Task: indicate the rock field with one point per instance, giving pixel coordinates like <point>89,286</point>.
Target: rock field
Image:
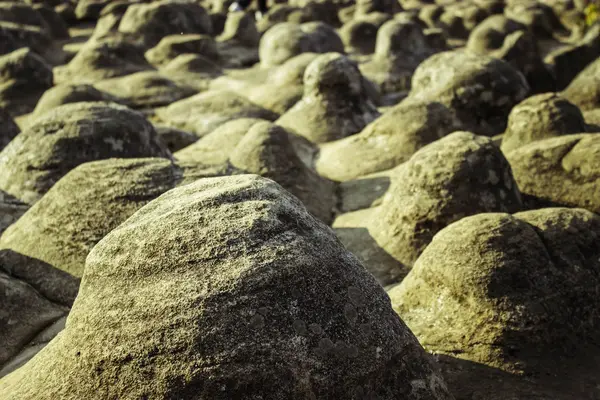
<point>362,200</point>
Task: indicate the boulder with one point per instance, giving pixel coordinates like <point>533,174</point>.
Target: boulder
<point>192,70</point>
<point>287,40</point>
<point>559,171</point>
<point>518,294</point>
<point>238,44</point>
<point>90,9</point>
<point>207,309</point>
<point>146,89</point>
<point>215,147</point>
<point>584,90</point>
<point>400,48</point>
<point>359,36</point>
<point>540,117</point>
<point>174,45</point>
<point>70,93</point>
<point>266,150</point>
<point>480,89</point>
<point>175,139</point>
<point>24,76</point>
<point>8,129</point>
<point>68,136</point>
<point>386,142</point>
<point>206,111</point>
<point>459,175</point>
<point>154,21</point>
<point>335,103</point>
<point>490,34</point>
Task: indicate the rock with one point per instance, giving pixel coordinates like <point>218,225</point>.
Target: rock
<point>90,9</point>
<point>68,136</point>
<point>480,89</point>
<point>561,170</point>
<point>145,89</point>
<point>24,15</point>
<point>193,71</point>
<point>55,23</point>
<point>359,36</point>
<point>267,150</point>
<point>206,111</point>
<point>24,76</point>
<point>8,129</point>
<point>285,85</point>
<point>386,142</point>
<point>584,90</point>
<point>215,147</point>
<point>318,321</point>
<point>103,59</point>
<point>70,93</point>
<point>175,139</point>
<point>335,103</point>
<point>23,314</point>
<point>540,117</point>
<point>519,294</point>
<point>459,175</point>
<point>400,48</point>
<point>15,36</point>
<point>490,34</point>
<point>11,210</point>
<point>238,44</point>
<point>286,40</point>
<point>158,19</point>
<point>174,45</point>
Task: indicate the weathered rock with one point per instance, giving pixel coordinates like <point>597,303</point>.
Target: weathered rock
<point>285,85</point>
<point>490,34</point>
<point>55,24</point>
<point>335,102</point>
<point>287,40</point>
<point>175,139</point>
<point>23,314</point>
<point>90,9</point>
<point>70,93</point>
<point>215,147</point>
<point>11,210</point>
<point>305,311</point>
<point>8,129</point>
<point>103,59</point>
<point>400,48</point>
<point>519,292</point>
<point>145,89</point>
<point>386,142</point>
<point>480,89</point>
<point>584,90</point>
<point>562,170</point>
<point>24,76</point>
<point>192,70</point>
<point>238,44</point>
<point>541,117</point>
<point>206,111</point>
<point>68,136</point>
<point>359,36</point>
<point>158,19</point>
<point>266,150</point>
<point>174,45</point>
<point>459,175</point>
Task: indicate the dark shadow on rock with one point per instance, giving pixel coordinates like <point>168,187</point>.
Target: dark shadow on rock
<point>385,268</point>
<point>52,283</point>
<point>362,193</point>
<point>572,378</point>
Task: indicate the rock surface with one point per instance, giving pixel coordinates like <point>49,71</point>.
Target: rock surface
<point>274,263</point>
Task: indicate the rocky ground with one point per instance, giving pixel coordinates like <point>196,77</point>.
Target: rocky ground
<point>341,200</point>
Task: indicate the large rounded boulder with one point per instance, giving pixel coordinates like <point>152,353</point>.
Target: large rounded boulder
<point>226,288</point>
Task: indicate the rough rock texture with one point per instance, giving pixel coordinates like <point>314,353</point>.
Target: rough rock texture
<point>335,102</point>
<point>103,59</point>
<point>238,44</point>
<point>480,89</point>
<point>162,18</point>
<point>228,310</point>
<point>359,36</point>
<point>206,111</point>
<point>459,175</point>
<point>267,150</point>
<point>175,139</point>
<point>11,210</point>
<point>84,206</point>
<point>215,147</point>
<point>192,70</point>
<point>386,142</point>
<point>24,76</point>
<point>24,313</point>
<point>68,136</point>
<point>490,34</point>
<point>70,93</point>
<point>519,294</point>
<point>171,46</point>
<point>8,128</point>
<point>400,48</point>
<point>145,89</point>
<point>287,40</point>
<point>584,90</point>
<point>540,117</point>
<point>562,170</point>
